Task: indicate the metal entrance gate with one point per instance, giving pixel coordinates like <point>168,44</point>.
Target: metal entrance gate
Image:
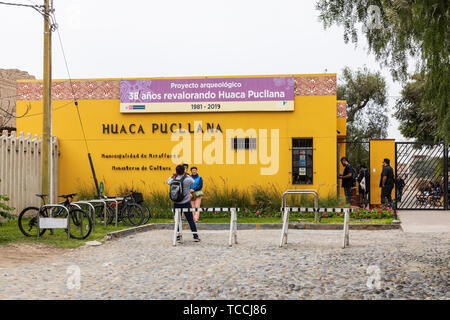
<point>424,168</point>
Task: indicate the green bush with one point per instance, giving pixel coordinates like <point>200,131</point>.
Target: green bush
<point>4,208</point>
<point>256,201</point>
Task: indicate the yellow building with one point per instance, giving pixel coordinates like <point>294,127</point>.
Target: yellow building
<point>137,143</point>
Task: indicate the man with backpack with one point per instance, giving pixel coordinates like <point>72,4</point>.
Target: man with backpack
<point>180,194</point>
<point>348,179</point>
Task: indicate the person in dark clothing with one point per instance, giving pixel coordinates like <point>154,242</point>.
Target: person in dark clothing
<point>399,185</point>
<point>347,179</point>
<point>434,191</point>
<point>386,182</point>
<point>364,185</point>
<point>187,181</point>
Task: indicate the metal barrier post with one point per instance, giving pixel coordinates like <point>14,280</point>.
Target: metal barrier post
<point>233,212</point>
<point>175,230</point>
<point>285,228</point>
<point>178,227</point>
<point>346,235</point>
<point>233,228</point>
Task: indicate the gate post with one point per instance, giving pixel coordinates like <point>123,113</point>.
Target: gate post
<point>446,176</point>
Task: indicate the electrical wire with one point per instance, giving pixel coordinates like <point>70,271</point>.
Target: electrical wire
<point>21,5</point>
<point>70,81</point>
<point>10,115</point>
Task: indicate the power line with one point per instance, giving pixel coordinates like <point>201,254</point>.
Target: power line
<point>22,5</point>
<point>53,109</point>
<point>70,82</point>
<point>38,8</point>
<point>10,115</point>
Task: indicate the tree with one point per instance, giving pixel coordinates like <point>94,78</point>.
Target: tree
<point>416,115</point>
<point>365,92</point>
<point>397,30</point>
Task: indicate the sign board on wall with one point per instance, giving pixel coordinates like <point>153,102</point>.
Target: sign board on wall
<point>207,95</point>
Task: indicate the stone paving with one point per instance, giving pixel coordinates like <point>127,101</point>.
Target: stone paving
<point>312,266</point>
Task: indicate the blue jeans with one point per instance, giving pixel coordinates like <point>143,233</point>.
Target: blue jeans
<point>189,216</point>
<point>348,195</point>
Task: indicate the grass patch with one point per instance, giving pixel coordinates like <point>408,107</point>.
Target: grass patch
<point>10,233</point>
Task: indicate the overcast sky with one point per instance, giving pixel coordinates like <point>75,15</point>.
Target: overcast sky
<point>113,39</point>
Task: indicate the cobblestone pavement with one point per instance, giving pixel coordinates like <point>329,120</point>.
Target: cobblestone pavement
<point>313,266</point>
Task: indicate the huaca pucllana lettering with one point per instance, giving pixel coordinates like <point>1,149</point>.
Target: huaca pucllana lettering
<point>116,128</point>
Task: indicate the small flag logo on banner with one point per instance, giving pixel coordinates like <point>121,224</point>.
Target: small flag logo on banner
<point>136,107</point>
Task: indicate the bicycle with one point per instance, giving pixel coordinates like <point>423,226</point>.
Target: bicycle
<point>139,199</point>
<point>81,225</point>
<point>129,212</point>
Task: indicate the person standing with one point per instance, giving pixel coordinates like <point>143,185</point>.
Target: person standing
<point>386,182</point>
<point>197,193</point>
<point>347,179</point>
<point>364,185</point>
<point>186,182</point>
<point>399,185</point>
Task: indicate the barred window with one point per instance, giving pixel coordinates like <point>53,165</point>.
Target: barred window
<point>302,161</point>
<point>243,143</point>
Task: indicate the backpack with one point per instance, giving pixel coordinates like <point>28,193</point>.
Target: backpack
<point>176,190</point>
<point>354,176</point>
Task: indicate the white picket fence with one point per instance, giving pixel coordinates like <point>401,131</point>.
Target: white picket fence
<point>20,169</point>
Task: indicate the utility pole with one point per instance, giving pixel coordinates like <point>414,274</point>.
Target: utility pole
<point>46,151</point>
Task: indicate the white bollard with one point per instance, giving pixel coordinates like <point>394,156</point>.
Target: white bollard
<point>284,229</point>
<point>233,211</point>
<point>345,240</point>
<point>233,228</point>
<point>180,226</point>
<point>176,221</point>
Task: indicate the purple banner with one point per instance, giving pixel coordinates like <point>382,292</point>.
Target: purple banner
<point>207,89</point>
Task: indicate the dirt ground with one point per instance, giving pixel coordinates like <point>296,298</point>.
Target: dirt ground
<point>12,255</point>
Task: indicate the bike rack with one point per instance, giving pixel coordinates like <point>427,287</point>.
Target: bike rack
<point>91,209</point>
<point>116,201</point>
<point>178,226</point>
<point>104,208</point>
<point>285,211</point>
<point>53,223</point>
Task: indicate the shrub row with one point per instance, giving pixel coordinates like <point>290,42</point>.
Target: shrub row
<point>257,201</point>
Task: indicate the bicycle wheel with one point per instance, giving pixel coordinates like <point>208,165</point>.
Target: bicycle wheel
<point>100,215</point>
<point>81,225</point>
<point>134,213</point>
<point>28,221</point>
<point>147,214</point>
